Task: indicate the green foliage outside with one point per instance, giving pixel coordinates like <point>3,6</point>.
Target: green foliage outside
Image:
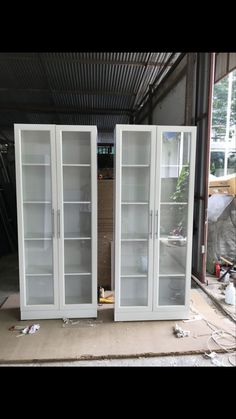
<point>181,195</point>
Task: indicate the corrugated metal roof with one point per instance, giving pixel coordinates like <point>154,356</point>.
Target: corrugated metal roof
<point>94,88</point>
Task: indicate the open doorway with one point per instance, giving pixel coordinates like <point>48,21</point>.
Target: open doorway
<point>221,237</point>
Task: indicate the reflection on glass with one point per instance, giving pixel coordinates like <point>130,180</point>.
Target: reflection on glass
<point>135,184</point>
<point>136,147</point>
<point>76,147</point>
<point>35,147</point>
<point>76,183</point>
<point>38,257</point>
<point>134,258</point>
<point>36,183</point>
<point>173,220</point>
<point>175,151</point>
<point>77,220</point>
<point>77,256</point>
<point>78,289</point>
<point>172,257</point>
<point>37,220</point>
<point>171,291</point>
<point>134,221</point>
<point>39,290</point>
<point>134,292</point>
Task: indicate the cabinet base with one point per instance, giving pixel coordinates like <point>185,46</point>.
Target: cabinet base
<point>164,315</point>
<point>58,314</point>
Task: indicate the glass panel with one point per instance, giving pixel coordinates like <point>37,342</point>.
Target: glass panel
<point>76,147</point>
<point>171,291</point>
<point>77,220</point>
<point>136,147</point>
<point>37,220</point>
<point>172,257</point>
<point>77,256</point>
<point>231,164</point>
<point>135,184</point>
<point>39,290</point>
<point>134,258</point>
<point>173,221</point>
<point>77,183</point>
<point>78,289</point>
<point>217,163</point>
<point>38,257</point>
<point>35,147</point>
<point>175,167</point>
<point>36,183</point>
<point>134,221</point>
<point>134,292</point>
<point>175,150</point>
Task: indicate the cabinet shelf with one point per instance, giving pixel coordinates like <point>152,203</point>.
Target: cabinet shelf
<point>174,203</point>
<point>74,270</point>
<point>133,271</point>
<point>37,202</point>
<point>77,202</point>
<point>75,165</point>
<point>38,237</point>
<point>39,271</point>
<point>137,275</point>
<point>77,273</point>
<point>36,164</point>
<point>76,236</point>
<point>136,165</point>
<point>174,165</point>
<point>135,203</point>
<point>134,237</point>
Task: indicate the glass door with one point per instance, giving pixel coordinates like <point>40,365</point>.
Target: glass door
<point>135,146</point>
<point>77,214</point>
<point>173,215</point>
<point>37,170</point>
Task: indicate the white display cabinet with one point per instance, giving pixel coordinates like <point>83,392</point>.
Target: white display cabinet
<point>154,186</point>
<point>56,177</point>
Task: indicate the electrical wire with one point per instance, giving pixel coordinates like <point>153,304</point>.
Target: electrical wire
<point>217,335</point>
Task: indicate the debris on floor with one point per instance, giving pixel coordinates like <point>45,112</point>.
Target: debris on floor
<point>25,330</point>
<point>81,323</point>
<point>179,332</point>
<point>107,300</point>
<point>193,318</point>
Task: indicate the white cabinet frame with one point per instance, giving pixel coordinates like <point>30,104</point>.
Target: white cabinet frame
<point>152,310</point>
<point>58,308</point>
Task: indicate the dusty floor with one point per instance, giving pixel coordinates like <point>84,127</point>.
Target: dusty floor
<point>224,360</point>
<point>9,284</point>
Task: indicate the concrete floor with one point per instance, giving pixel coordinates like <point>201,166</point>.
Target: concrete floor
<point>9,284</point>
<point>158,361</point>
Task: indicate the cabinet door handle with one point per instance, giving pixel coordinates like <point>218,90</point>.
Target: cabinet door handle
<point>58,223</point>
<point>156,233</point>
<point>150,224</point>
<point>53,223</point>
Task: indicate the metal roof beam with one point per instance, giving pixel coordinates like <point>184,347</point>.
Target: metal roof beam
<point>70,91</point>
<point>8,107</point>
<point>85,61</point>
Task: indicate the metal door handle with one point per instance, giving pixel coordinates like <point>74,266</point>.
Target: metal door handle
<point>58,224</point>
<point>150,224</point>
<point>156,233</point>
<point>53,223</point>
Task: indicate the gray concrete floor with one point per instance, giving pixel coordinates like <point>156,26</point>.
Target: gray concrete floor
<point>9,284</point>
